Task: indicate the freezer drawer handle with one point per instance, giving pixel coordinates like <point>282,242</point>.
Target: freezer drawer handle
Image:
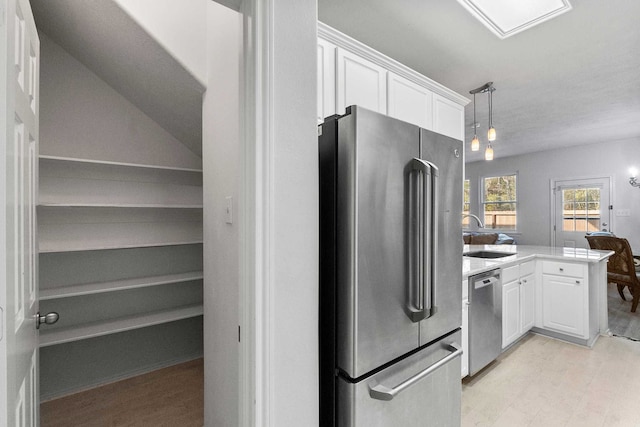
<point>381,392</point>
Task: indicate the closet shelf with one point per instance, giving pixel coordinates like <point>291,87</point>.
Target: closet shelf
<point>117,285</point>
<point>118,205</point>
<point>56,247</point>
<point>123,164</point>
<point>97,329</point>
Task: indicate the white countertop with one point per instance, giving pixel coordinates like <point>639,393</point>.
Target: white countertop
<point>521,253</point>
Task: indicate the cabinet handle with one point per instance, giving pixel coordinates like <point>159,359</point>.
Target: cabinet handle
<point>577,282</point>
<point>561,269</point>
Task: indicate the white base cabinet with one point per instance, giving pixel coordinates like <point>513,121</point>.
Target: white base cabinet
<point>565,298</point>
<point>518,301</point>
<point>465,338</point>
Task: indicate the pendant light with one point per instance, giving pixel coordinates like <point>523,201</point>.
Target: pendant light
<point>491,133</point>
<point>475,142</point>
<point>488,153</point>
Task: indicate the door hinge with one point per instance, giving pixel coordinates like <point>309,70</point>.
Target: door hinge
<point>239,333</point>
<point>610,207</point>
<point>554,228</point>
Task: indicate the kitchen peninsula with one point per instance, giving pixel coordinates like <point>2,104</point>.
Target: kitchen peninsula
<point>558,292</point>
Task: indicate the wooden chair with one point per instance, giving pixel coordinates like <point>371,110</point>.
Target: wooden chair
<point>620,268</point>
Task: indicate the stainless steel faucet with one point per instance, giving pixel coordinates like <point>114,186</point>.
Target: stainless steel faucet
<point>480,224</point>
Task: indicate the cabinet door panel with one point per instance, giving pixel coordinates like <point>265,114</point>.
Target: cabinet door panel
<point>465,338</point>
<point>527,302</point>
<point>360,82</point>
<point>409,102</point>
<point>326,79</point>
<point>510,312</point>
<point>448,117</point>
<point>563,304</point>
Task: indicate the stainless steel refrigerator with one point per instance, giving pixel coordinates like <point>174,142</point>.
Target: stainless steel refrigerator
<point>390,273</point>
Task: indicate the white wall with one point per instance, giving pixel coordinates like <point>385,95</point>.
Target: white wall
<point>179,26</point>
<point>221,159</point>
<point>83,117</point>
<point>536,170</point>
<point>294,286</point>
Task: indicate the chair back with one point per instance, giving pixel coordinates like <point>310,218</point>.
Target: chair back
<point>620,267</point>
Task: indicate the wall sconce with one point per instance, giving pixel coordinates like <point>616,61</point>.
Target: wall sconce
<point>633,180</point>
<point>491,133</point>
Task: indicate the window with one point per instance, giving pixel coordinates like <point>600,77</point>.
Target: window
<point>581,209</point>
<point>499,200</point>
<point>465,204</point>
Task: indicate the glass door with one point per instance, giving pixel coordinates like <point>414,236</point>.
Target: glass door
<point>580,207</point>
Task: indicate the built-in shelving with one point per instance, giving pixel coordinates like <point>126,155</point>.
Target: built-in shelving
<point>55,292</point>
<point>70,182</point>
<point>71,229</point>
<point>96,329</point>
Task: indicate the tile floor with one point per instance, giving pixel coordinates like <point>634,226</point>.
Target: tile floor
<point>544,382</point>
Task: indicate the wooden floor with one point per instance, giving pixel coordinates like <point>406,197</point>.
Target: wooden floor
<point>167,397</point>
<point>622,322</point>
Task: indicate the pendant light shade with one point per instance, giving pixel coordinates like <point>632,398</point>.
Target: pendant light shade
<point>491,134</point>
<point>475,144</point>
<point>488,154</point>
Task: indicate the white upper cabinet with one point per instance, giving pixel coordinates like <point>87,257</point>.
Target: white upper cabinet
<point>326,79</point>
<point>351,73</point>
<point>448,117</point>
<point>360,82</point>
<point>409,101</point>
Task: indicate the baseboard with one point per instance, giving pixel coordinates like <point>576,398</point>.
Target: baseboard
<point>120,377</point>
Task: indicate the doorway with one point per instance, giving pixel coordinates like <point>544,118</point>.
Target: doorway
<point>580,206</point>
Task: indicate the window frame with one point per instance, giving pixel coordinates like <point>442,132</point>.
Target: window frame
<point>484,203</point>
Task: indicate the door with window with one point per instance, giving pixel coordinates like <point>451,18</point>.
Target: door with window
<point>580,207</point>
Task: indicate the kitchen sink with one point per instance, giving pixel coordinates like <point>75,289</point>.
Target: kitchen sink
<point>488,254</point>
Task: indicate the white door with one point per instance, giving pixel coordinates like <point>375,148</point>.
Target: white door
<point>19,70</point>
<point>580,206</point>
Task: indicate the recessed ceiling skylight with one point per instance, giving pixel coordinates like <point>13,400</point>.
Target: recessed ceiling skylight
<point>507,17</point>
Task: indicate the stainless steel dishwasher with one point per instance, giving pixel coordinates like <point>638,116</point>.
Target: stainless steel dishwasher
<point>485,319</point>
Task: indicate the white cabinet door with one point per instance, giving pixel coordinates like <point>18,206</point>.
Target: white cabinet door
<point>563,304</point>
<point>409,102</point>
<point>19,102</point>
<point>527,302</point>
<point>465,339</point>
<point>326,79</point>
<point>510,312</point>
<point>448,117</point>
<point>360,82</point>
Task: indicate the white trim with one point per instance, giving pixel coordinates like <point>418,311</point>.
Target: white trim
<point>341,40</point>
<point>257,218</point>
<point>496,29</point>
<point>552,202</point>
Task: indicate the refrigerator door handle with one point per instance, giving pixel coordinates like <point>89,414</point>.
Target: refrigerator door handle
<point>382,392</point>
<point>426,256</point>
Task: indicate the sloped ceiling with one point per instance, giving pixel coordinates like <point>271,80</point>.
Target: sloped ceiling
<point>569,81</point>
<point>111,44</point>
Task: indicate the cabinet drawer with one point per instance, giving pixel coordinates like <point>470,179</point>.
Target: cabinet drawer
<point>527,268</point>
<point>563,269</point>
<point>509,274</point>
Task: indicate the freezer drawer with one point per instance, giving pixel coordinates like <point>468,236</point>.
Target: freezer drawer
<point>423,398</point>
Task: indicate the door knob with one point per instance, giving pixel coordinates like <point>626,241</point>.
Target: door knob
<point>47,319</point>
